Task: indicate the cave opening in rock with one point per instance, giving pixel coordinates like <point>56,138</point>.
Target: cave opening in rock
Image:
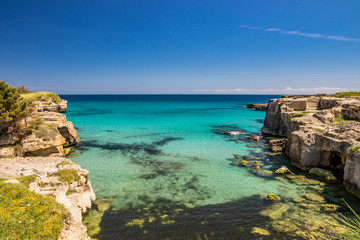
<point>336,164</point>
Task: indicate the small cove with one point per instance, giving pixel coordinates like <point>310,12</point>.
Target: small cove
<point>164,161</point>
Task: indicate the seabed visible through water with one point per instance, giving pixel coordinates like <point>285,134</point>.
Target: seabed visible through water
<point>163,169</point>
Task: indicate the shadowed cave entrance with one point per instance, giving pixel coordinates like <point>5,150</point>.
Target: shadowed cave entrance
<point>334,161</point>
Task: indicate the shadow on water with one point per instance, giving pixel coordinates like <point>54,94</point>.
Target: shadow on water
<point>164,219</point>
<point>261,120</point>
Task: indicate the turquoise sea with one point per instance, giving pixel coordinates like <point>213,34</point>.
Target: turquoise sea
<point>170,169</point>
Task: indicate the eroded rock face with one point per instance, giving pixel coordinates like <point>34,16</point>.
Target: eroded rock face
<point>317,135</point>
<point>48,139</point>
<point>65,128</point>
<point>60,107</point>
<point>76,201</point>
<point>278,145</point>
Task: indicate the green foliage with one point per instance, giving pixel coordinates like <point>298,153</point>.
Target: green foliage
<point>22,89</point>
<point>353,223</point>
<point>35,124</point>
<point>62,163</point>
<point>355,148</point>
<point>27,215</point>
<point>346,94</point>
<point>46,130</point>
<point>42,96</point>
<point>70,191</point>
<point>319,130</point>
<point>27,179</point>
<point>300,114</point>
<point>12,106</point>
<point>340,119</point>
<point>68,175</point>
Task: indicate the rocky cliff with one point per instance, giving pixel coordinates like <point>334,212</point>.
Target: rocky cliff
<point>45,132</point>
<point>47,178</point>
<point>33,148</point>
<point>321,132</point>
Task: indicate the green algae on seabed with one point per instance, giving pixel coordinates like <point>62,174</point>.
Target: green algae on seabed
<point>191,172</point>
<point>92,220</point>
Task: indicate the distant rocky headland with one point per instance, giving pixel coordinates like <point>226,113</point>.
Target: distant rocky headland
<point>34,139</point>
<point>320,134</point>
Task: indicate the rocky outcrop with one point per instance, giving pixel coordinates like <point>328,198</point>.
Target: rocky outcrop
<point>258,107</point>
<point>278,145</point>
<point>320,133</point>
<point>51,106</point>
<point>44,133</point>
<point>76,196</point>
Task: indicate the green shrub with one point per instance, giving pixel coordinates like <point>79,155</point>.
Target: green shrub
<point>41,96</point>
<point>27,179</point>
<point>27,215</point>
<point>319,130</point>
<point>68,175</point>
<point>346,94</point>
<point>35,124</point>
<point>355,148</point>
<point>300,114</point>
<point>46,130</point>
<point>12,106</point>
<point>70,191</point>
<point>22,89</point>
<point>62,163</point>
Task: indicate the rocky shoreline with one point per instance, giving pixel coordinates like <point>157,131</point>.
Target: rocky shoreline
<point>318,131</point>
<point>36,150</point>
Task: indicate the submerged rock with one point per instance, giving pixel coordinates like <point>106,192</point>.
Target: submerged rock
<point>233,133</point>
<point>323,174</point>
<point>253,138</point>
<point>92,220</point>
<point>237,156</point>
<point>283,170</point>
<point>273,197</point>
<point>275,211</point>
<point>298,200</point>
<point>314,197</point>
<point>136,223</point>
<point>103,204</point>
<point>330,207</point>
<point>260,231</point>
<point>244,163</point>
<point>264,173</point>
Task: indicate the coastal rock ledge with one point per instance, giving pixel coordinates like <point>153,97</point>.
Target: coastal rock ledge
<point>45,174</point>
<point>45,132</point>
<point>322,131</point>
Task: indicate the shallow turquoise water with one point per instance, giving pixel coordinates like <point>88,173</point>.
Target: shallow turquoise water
<point>140,150</point>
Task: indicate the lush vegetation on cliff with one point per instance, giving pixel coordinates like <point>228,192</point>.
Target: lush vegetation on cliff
<point>12,106</point>
<point>346,94</point>
<point>41,96</point>
<point>27,215</point>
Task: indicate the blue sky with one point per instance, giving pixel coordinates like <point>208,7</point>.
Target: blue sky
<point>133,46</point>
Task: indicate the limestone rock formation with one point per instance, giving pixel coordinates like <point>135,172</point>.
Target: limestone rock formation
<point>49,106</point>
<point>258,107</point>
<point>321,131</point>
<point>278,145</point>
<point>76,196</point>
<point>51,134</point>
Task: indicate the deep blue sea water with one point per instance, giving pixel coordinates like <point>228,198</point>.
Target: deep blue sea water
<point>164,156</point>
